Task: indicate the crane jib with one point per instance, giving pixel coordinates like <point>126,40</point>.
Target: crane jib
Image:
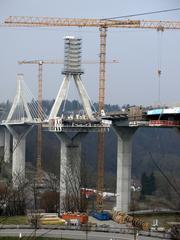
<point>25,21</point>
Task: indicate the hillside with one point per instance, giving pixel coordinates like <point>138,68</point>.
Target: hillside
<point>163,145</point>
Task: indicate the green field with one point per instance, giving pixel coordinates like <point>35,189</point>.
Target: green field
<point>17,220</point>
<point>162,218</point>
<point>37,238</point>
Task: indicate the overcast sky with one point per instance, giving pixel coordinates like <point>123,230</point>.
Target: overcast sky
<point>134,80</point>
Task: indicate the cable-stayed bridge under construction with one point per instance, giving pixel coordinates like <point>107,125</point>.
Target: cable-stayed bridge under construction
<point>26,112</point>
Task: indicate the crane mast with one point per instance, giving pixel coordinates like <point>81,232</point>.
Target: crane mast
<point>103,25</point>
<point>39,132</point>
<point>101,135</point>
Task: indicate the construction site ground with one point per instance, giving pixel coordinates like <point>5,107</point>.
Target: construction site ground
<point>107,223</point>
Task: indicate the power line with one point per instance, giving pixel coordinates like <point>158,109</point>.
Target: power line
<point>164,175</point>
<point>171,184</point>
<point>145,13</point>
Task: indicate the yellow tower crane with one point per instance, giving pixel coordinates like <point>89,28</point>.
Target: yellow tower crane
<point>103,25</point>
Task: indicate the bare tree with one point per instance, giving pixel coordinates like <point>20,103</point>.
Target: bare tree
<point>12,199</point>
<point>49,198</point>
<point>72,182</point>
<point>74,178</point>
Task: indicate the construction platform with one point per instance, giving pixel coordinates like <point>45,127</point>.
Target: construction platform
<point>138,117</point>
<point>78,125</point>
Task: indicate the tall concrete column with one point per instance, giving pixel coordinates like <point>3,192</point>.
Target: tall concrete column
<point>1,144</point>
<point>7,150</point>
<point>19,134</point>
<point>124,159</point>
<point>4,144</point>
<point>70,164</point>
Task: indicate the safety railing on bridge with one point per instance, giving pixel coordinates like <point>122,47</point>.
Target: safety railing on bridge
<point>164,123</point>
<point>59,124</point>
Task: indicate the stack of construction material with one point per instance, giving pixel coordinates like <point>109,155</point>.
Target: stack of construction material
<point>34,218</point>
<point>122,218</point>
<point>136,113</point>
<point>119,217</point>
<point>51,219</point>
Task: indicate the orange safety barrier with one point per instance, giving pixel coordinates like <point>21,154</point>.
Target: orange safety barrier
<point>83,218</point>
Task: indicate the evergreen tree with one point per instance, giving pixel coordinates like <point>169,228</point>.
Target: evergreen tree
<point>148,184</point>
<point>152,184</point>
<point>144,179</point>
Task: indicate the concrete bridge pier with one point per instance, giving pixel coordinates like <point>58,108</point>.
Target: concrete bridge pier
<point>19,134</point>
<point>124,159</point>
<point>2,144</point>
<point>7,151</point>
<point>70,164</point>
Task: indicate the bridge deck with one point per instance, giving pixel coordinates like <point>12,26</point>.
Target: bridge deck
<point>64,125</point>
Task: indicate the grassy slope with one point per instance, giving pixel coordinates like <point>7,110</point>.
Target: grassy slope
<point>18,220</point>
<point>162,218</point>
<point>37,238</point>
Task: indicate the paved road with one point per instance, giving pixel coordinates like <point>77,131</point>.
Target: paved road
<point>72,234</point>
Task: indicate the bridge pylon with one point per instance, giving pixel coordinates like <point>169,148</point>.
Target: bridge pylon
<point>72,70</point>
<point>24,108</point>
<point>70,162</point>
<point>19,109</point>
<point>23,115</point>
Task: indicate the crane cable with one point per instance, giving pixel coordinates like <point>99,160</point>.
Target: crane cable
<point>142,14</point>
<point>163,174</point>
<point>169,181</point>
<point>159,61</point>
